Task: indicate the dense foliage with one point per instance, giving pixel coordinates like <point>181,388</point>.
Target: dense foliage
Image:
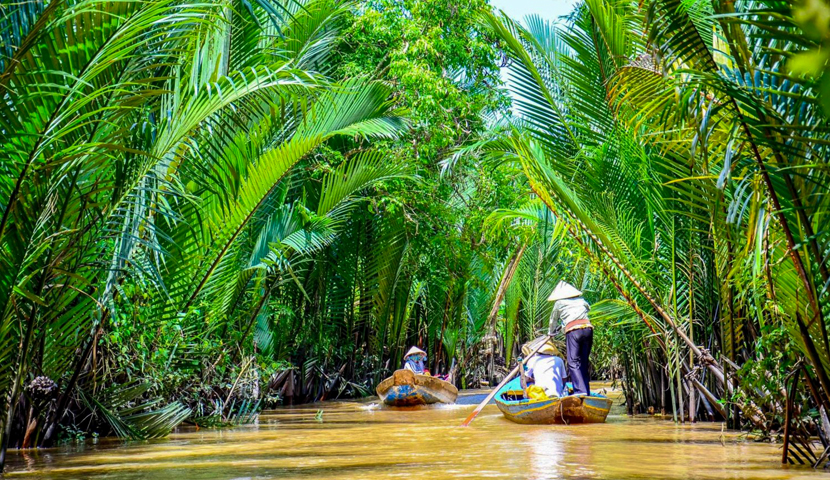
<point>210,208</point>
<point>682,146</point>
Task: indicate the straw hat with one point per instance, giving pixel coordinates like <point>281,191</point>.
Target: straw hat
<point>564,290</point>
<point>413,351</point>
<point>547,349</point>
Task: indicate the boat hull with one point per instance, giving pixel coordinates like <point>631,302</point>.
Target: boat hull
<point>406,389</point>
<point>552,410</point>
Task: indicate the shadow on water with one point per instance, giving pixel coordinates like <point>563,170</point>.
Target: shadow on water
<point>364,440</point>
<point>473,399</point>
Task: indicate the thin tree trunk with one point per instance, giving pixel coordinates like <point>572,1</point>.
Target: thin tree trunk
<point>506,278</point>
<point>444,324</point>
<point>681,410</point>
<point>788,419</point>
<point>691,324</point>
<point>706,394</point>
<point>812,354</point>
<point>31,426</point>
<point>63,401</point>
<point>14,398</point>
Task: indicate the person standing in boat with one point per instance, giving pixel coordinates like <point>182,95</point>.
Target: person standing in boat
<point>570,312</point>
<point>414,361</point>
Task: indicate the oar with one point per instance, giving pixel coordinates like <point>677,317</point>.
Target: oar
<point>504,382</point>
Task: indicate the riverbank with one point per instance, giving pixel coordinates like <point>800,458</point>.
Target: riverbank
<point>363,440</point>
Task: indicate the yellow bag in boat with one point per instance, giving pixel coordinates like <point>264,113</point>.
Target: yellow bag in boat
<point>535,392</point>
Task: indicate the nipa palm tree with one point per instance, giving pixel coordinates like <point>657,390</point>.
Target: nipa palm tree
<point>140,141</point>
<point>673,142</point>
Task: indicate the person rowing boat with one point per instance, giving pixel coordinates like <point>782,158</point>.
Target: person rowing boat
<point>414,361</point>
<point>570,312</point>
<point>414,385</point>
<point>546,368</point>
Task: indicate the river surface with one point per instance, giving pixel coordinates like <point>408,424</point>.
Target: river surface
<point>362,440</point>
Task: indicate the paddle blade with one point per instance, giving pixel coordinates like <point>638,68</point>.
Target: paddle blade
<point>481,405</point>
<point>472,416</point>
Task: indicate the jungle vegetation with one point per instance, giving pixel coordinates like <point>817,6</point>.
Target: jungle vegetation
<point>213,207</point>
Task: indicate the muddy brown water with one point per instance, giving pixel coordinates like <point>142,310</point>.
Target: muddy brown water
<point>362,440</point>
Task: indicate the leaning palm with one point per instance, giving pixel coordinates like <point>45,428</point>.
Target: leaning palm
<point>664,147</point>
<point>142,151</point>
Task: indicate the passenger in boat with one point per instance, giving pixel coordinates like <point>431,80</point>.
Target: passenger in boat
<point>570,312</point>
<point>414,360</point>
<point>546,368</point>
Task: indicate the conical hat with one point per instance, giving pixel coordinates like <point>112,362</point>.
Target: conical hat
<point>413,351</point>
<point>548,349</point>
<point>564,290</point>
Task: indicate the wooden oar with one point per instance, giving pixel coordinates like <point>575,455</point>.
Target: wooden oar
<point>504,382</point>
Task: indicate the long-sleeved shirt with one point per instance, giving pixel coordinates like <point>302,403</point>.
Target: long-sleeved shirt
<point>548,371</point>
<point>566,311</point>
<point>417,367</point>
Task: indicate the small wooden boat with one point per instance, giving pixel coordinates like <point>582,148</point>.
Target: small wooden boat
<point>404,388</point>
<point>564,410</point>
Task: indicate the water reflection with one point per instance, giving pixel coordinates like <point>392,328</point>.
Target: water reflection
<point>546,452</point>
<point>361,440</point>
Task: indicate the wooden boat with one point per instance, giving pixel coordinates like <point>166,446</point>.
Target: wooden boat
<point>564,410</point>
<point>404,388</point>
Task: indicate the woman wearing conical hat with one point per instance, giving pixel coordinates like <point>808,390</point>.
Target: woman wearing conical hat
<point>546,367</point>
<point>414,360</point>
<point>570,312</point>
